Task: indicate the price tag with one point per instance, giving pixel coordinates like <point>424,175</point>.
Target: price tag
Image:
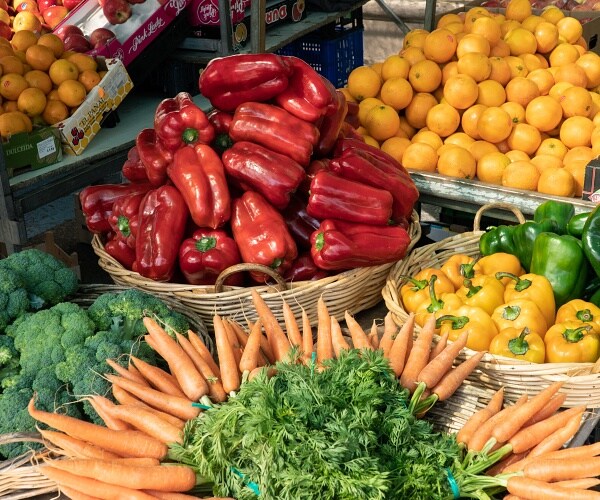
<point>46,147</point>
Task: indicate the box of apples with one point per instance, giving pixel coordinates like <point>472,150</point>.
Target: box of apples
<point>119,29</point>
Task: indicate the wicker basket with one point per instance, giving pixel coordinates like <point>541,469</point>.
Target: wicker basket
<point>354,290</point>
<point>582,383</point>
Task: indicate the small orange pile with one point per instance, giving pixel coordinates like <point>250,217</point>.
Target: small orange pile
<point>40,82</point>
<point>508,97</point>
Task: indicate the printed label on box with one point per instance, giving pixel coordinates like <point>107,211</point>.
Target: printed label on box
<point>46,147</point>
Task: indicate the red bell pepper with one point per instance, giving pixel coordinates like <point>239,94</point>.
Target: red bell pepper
<point>313,169</point>
<point>97,202</point>
<point>339,245</point>
<point>300,224</point>
<point>198,173</point>
<point>119,250</point>
<point>204,256</point>
<point>124,218</point>
<point>257,168</point>
<point>162,222</point>
<point>261,234</point>
<point>179,121</point>
<point>364,167</point>
<point>133,169</point>
<point>304,269</point>
<point>276,129</point>
<point>352,115</point>
<point>230,81</point>
<point>221,121</point>
<point>155,157</point>
<point>333,197</point>
<point>331,124</point>
<point>349,132</point>
<point>307,95</point>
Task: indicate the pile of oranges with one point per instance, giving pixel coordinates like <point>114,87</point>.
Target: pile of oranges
<point>508,98</point>
<point>40,82</point>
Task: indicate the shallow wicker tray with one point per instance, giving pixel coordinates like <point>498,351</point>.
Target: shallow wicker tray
<point>354,290</point>
<point>582,384</point>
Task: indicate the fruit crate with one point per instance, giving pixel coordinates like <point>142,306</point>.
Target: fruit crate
<point>334,50</point>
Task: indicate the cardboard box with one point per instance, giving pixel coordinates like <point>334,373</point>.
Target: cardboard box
<point>591,184</point>
<point>148,19</point>
<point>80,128</point>
<point>33,150</point>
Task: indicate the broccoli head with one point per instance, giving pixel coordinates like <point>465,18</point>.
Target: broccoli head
<point>15,418</point>
<point>47,280</point>
<point>9,362</point>
<point>125,310</point>
<point>14,300</point>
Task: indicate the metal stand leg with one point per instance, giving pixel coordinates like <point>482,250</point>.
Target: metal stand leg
<point>399,22</point>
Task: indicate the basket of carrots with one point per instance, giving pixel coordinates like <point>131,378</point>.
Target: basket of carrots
<point>516,320</point>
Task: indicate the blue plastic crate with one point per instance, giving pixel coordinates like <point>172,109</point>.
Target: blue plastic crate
<point>334,57</point>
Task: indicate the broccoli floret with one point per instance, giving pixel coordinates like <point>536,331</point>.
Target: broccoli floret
<point>126,310</point>
<point>9,362</point>
<point>15,418</point>
<point>14,300</point>
<point>47,280</point>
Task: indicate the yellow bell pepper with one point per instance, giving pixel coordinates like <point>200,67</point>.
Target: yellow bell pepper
<point>580,310</point>
<point>532,287</point>
<point>445,304</point>
<point>500,262</point>
<point>520,313</point>
<point>482,291</point>
<point>458,268</point>
<point>572,342</point>
<point>416,289</point>
<point>519,344</point>
<point>474,320</point>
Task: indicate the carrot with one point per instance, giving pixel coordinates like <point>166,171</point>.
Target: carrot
<point>307,336</point>
<point>173,405</point>
<point>509,427</point>
<point>124,443</point>
<point>291,325</point>
<point>101,406</point>
<point>435,369</point>
<point>374,336</point>
<point>270,371</point>
<point>167,495</point>
<point>455,377</point>
<point>233,340</point>
<point>418,355</point>
<point>123,397</point>
<point>277,338</point>
<point>531,435</point>
<point>192,383</point>
<point>531,489</point>
<point>76,447</point>
<point>200,346</point>
<point>549,409</point>
<point>134,370</point>
<point>337,339</point>
<point>558,438</point>
<point>158,378</point>
<point>74,494</point>
<point>243,336</point>
<point>230,375</point>
<point>324,342</point>
<point>499,467</point>
<point>125,373</point>
<point>147,422</point>
<point>360,340</point>
<point>389,334</point>
<point>139,461</point>
<point>583,483</point>
<point>481,416</point>
<point>579,452</point>
<point>439,347</point>
<point>401,345</point>
<point>562,470</point>
<point>153,477</point>
<point>249,359</point>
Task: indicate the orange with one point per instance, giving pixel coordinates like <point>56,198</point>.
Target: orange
<point>491,93</point>
<point>425,76</point>
<point>365,106</point>
<point>72,93</point>
<point>83,61</point>
<point>39,79</point>
<point>40,57</point>
<point>439,45</point>
<point>470,118</point>
<point>488,28</point>
<point>544,113</point>
<point>529,23</point>
<point>520,41</point>
<point>62,70</point>
<point>382,122</point>
<point>552,14</point>
<point>521,175</point>
<point>11,64</point>
<point>406,128</point>
<point>517,66</point>
<point>579,153</point>
<point>472,42</point>
<point>570,29</point>
<point>552,147</point>
<point>546,36</point>
<point>23,39</point>
<point>415,38</point>
<point>590,63</point>
<point>363,81</point>
<point>455,28</point>
<point>395,92</point>
<point>461,91</point>
<point>581,45</point>
<point>563,53</point>
<point>26,20</point>
<point>395,147</point>
<point>515,111</point>
<point>31,101</point>
<point>518,10</point>
<point>514,154</point>
<point>521,90</point>
<point>9,106</point>
<point>448,18</point>
<point>394,66</point>
<point>11,86</point>
<point>428,137</point>
<point>6,50</point>
<point>524,137</point>
<point>375,66</point>
<point>576,131</point>
<point>449,69</point>
<point>476,65</point>
<point>90,79</point>
<point>480,148</point>
<point>472,15</point>
<point>420,156</point>
<point>556,181</point>
<point>494,125</point>
<point>542,162</point>
<point>576,101</point>
<point>457,162</point>
<point>558,89</point>
<point>500,49</point>
<point>577,169</point>
<point>460,139</point>
<point>442,119</point>
<point>54,112</point>
<point>53,42</point>
<point>500,70</point>
<point>532,62</point>
<point>349,98</point>
<point>416,111</point>
<point>14,122</point>
<point>571,73</point>
<point>490,167</point>
<point>543,79</point>
<point>370,141</point>
<point>543,61</point>
<point>412,55</point>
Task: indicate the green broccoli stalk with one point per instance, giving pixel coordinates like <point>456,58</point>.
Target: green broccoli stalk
<point>14,300</point>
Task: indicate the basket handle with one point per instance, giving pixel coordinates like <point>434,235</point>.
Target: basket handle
<point>490,206</point>
<point>244,266</point>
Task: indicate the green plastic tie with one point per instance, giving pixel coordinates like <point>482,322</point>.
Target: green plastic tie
<point>250,484</point>
<point>201,406</point>
<point>453,483</point>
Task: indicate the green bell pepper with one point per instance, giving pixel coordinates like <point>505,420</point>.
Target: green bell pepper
<point>561,260</point>
<point>497,239</point>
<point>595,299</point>
<point>576,223</point>
<point>559,211</point>
<point>524,237</point>
<point>590,239</point>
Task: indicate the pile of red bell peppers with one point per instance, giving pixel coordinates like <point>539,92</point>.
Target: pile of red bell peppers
<point>275,174</point>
